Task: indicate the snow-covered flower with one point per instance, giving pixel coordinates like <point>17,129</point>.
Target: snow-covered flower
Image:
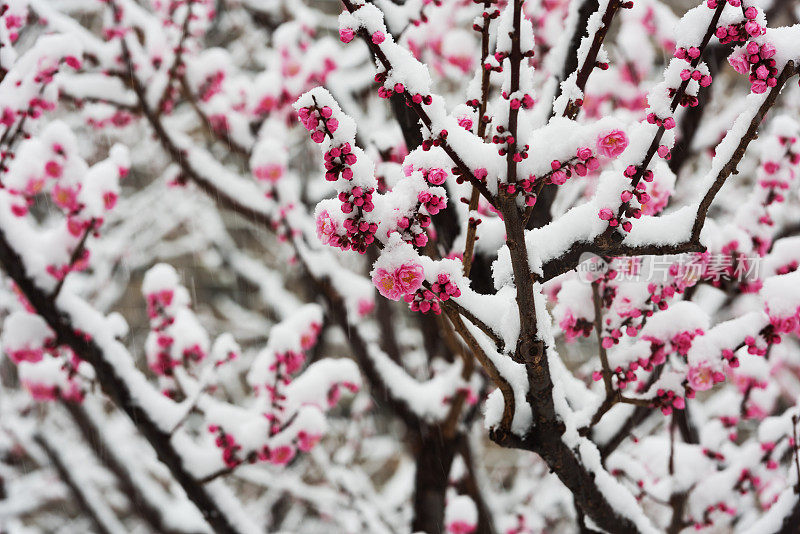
<point>612,144</point>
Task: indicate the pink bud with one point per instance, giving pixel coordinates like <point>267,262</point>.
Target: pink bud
<point>767,50</point>
<point>752,28</point>
<point>758,87</point>
<point>346,35</point>
<point>73,62</point>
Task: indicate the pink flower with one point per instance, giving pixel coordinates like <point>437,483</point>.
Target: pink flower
<point>558,177</point>
<point>386,284</point>
<point>73,62</point>
<point>767,50</point>
<point>346,35</point>
<point>326,228</point>
<point>459,526</point>
<point>53,169</point>
<point>306,441</point>
<point>739,63</point>
<point>465,122</point>
<point>409,277</point>
<point>365,307</point>
<point>271,172</point>
<point>759,87</point>
<point>281,455</point>
<point>65,197</point>
<point>613,144</point>
<point>606,214</point>
<point>437,176</point>
<point>109,200</point>
<point>394,284</point>
<point>701,377</point>
<point>25,355</point>
<point>40,392</point>
<point>682,342</point>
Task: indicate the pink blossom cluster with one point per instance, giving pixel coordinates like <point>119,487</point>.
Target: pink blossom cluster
<point>756,60</point>
<point>574,327</point>
<point>119,118</point>
<point>433,203</point>
<point>413,229</point>
<point>47,370</point>
<point>624,316</point>
<point>158,305</point>
<point>763,70</point>
<point>357,197</point>
<point>774,180</point>
<point>280,442</point>
<point>167,346</point>
<point>508,143</point>
<point>741,31</point>
<point>668,400</point>
<point>356,232</point>
<point>702,377</point>
<point>707,519</point>
<point>580,165</point>
<point>286,363</point>
<point>233,454</point>
<point>321,122</point>
<point>338,162</point>
<point>611,146</point>
<point>386,89</point>
<point>427,300</point>
<point>269,172</point>
<point>69,192</point>
<point>782,323</point>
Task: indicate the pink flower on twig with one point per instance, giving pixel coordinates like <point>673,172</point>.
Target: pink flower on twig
<point>326,228</point>
<point>702,377</point>
<point>394,284</point>
<point>612,144</point>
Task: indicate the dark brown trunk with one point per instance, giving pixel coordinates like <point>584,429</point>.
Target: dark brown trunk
<point>434,457</point>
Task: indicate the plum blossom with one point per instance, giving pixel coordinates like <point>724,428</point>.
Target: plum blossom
<point>701,377</point>
<point>612,144</point>
<point>394,284</point>
<point>326,228</point>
